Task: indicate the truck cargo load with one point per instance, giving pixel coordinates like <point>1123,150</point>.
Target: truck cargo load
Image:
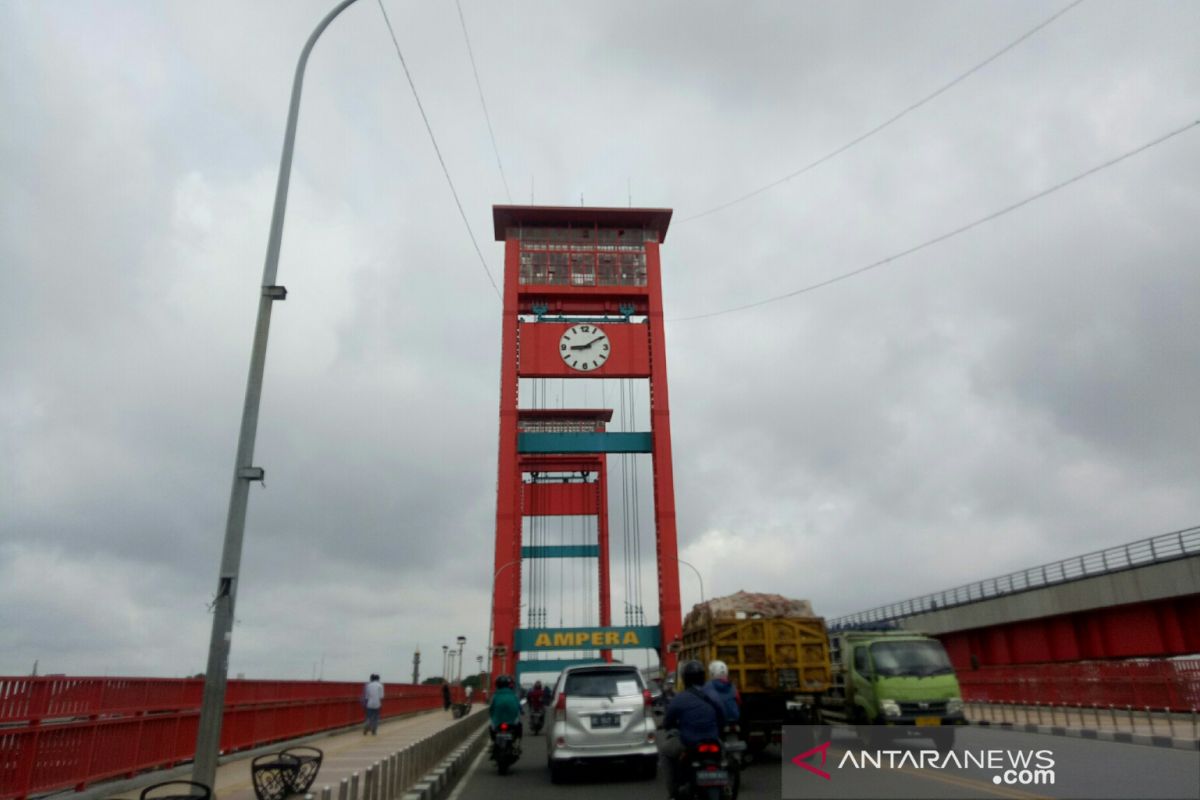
<point>771,643</point>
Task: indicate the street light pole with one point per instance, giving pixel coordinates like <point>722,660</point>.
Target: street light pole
<point>208,737</point>
<point>445,663</point>
<point>462,641</point>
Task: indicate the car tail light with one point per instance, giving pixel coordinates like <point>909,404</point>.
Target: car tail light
<point>560,702</point>
<point>709,748</point>
<point>647,698</point>
<point>560,742</point>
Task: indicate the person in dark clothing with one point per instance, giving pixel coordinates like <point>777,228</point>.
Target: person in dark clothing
<point>536,697</point>
<point>445,696</point>
<point>694,716</point>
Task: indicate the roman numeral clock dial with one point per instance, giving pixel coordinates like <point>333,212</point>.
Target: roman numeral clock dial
<point>584,347</point>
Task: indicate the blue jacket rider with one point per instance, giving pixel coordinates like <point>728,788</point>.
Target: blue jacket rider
<point>697,716</point>
<point>721,690</point>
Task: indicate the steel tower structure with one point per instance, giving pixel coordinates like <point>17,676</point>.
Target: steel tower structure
<point>582,299</point>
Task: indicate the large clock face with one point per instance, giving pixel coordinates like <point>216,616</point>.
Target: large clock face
<point>584,347</point>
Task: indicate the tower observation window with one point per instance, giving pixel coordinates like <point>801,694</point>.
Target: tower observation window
<point>583,256</point>
<point>560,426</point>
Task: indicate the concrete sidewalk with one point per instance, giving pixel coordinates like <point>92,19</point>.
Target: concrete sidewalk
<point>345,752</point>
<point>1129,720</point>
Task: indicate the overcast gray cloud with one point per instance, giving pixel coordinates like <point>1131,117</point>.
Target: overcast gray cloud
<point>1020,393</point>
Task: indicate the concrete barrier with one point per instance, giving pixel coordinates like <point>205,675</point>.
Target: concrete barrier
<point>440,780</point>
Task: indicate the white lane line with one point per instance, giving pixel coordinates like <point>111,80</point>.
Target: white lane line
<point>462,784</point>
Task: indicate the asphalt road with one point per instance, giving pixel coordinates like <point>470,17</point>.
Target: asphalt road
<point>1084,769</point>
<point>529,778</point>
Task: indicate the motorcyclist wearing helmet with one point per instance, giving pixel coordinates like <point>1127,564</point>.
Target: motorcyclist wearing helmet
<point>722,691</point>
<point>536,697</point>
<point>697,718</point>
<point>505,708</point>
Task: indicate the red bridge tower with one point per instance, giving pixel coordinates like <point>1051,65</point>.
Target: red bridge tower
<point>582,299</point>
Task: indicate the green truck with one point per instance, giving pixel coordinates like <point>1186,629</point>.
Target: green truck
<point>893,683</point>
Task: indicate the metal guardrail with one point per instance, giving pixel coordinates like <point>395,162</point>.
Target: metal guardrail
<point>59,731</point>
<point>1155,550</point>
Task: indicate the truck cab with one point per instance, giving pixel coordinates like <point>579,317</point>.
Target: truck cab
<point>894,678</point>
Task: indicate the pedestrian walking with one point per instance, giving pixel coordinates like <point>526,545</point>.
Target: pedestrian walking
<point>372,703</point>
<point>445,696</point>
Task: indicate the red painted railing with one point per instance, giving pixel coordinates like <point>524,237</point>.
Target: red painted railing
<point>63,732</point>
<point>1159,684</point>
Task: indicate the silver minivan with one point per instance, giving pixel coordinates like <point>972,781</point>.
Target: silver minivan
<point>601,712</point>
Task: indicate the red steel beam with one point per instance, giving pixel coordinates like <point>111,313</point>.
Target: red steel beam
<point>1153,629</point>
<point>666,550</point>
<point>559,500</point>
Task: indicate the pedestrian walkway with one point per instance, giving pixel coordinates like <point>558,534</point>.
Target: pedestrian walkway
<point>1128,719</point>
<point>345,754</point>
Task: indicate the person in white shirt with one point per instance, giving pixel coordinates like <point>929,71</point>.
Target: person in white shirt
<point>372,702</point>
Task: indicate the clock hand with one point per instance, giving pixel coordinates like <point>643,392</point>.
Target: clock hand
<point>589,344</point>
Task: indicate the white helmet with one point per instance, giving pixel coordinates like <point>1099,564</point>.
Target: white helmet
<point>718,671</point>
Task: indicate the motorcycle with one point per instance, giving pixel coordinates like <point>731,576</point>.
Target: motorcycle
<point>537,718</point>
<point>735,750</point>
<point>506,749</point>
<point>711,776</point>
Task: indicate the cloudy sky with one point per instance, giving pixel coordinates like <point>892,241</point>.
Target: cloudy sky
<point>1020,393</point>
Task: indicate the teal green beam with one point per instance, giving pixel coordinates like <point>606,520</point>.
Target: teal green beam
<point>553,664</point>
<point>561,551</point>
<point>618,442</point>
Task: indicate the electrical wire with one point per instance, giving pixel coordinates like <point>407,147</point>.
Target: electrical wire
<point>438,150</point>
<point>625,548</point>
<point>637,516</point>
<point>949,235</point>
<point>888,122</point>
<point>482,102</point>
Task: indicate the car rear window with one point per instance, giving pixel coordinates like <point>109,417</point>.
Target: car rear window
<point>603,683</point>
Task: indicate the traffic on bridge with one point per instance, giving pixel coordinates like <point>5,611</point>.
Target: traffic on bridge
<point>844,442</point>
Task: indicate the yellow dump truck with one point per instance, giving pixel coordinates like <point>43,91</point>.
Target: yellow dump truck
<point>777,652</point>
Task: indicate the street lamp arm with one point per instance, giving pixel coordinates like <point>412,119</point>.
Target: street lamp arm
<point>271,267</point>
<point>698,576</point>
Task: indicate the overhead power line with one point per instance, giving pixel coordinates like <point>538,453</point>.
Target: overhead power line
<point>863,137</point>
<point>951,234</point>
<point>436,149</point>
<point>482,102</point>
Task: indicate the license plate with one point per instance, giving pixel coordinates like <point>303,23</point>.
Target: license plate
<point>606,720</point>
<point>503,738</point>
<point>712,777</point>
<point>929,721</point>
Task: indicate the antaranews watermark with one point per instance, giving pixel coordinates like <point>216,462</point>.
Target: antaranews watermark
<point>905,761</point>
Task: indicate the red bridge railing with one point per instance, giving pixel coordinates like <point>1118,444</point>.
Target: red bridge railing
<point>64,732</point>
<point>1172,684</point>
